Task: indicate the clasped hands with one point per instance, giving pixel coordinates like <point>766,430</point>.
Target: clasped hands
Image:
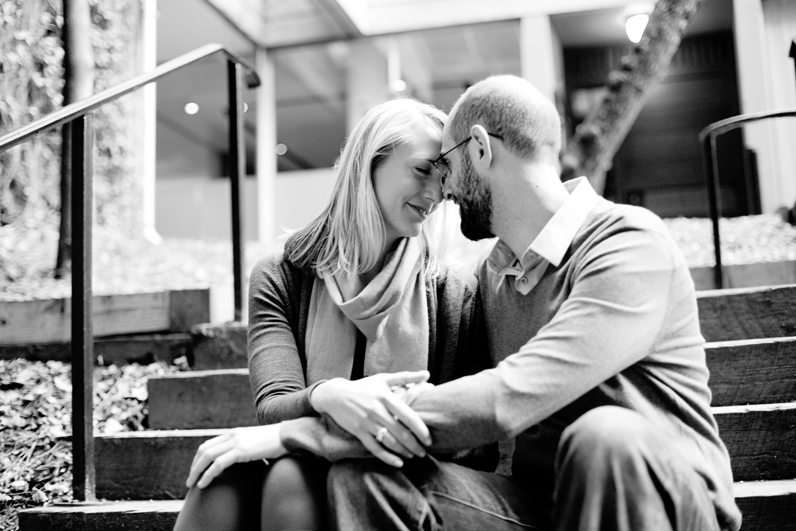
<point>375,410</point>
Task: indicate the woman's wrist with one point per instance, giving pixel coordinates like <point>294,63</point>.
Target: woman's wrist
<point>319,394</point>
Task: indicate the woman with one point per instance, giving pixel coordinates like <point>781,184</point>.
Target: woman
<point>354,308</point>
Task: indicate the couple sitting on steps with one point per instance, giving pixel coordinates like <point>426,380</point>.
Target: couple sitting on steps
<point>384,379</point>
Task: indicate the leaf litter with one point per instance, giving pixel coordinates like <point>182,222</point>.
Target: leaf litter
<point>36,425</point>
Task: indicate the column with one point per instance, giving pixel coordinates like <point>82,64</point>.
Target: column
<point>542,57</point>
<point>148,135</point>
<point>367,80</point>
<point>266,149</point>
<point>755,94</point>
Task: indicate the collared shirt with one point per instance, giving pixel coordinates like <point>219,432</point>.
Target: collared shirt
<point>550,244</point>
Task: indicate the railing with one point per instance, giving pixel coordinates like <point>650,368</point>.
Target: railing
<point>79,118</point>
<point>710,163</point>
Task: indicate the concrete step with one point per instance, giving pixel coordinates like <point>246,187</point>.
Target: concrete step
<point>761,371</point>
<point>765,505</point>
<point>749,313</point>
<point>761,441</point>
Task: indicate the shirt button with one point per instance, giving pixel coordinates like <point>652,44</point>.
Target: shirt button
<point>523,280</point>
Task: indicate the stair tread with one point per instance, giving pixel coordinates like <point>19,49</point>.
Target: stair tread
<point>774,487</point>
<point>124,506</point>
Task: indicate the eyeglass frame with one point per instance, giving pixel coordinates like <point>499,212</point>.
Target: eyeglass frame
<point>441,160</point>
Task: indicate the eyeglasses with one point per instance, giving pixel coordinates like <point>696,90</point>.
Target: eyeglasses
<point>442,164</point>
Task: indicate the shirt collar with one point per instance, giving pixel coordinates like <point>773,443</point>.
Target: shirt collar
<point>556,236</point>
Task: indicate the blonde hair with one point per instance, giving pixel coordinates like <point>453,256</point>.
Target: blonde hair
<point>348,236</point>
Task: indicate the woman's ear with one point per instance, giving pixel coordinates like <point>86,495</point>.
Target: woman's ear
<point>482,155</point>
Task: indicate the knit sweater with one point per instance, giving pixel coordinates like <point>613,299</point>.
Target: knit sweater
<point>279,300</point>
<point>615,323</point>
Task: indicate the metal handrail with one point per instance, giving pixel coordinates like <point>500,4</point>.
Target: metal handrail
<point>77,119</point>
<point>80,108</point>
<point>711,166</point>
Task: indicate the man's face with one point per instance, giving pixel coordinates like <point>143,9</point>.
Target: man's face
<point>471,192</point>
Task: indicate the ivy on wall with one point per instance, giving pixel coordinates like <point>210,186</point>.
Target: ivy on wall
<point>31,79</point>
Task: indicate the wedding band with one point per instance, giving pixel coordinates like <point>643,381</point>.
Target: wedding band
<point>380,434</point>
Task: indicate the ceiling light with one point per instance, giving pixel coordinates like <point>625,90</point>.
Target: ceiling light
<point>281,149</point>
<point>399,85</point>
<point>634,27</point>
<point>191,108</point>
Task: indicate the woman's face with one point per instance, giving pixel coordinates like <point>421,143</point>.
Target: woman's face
<point>407,186</point>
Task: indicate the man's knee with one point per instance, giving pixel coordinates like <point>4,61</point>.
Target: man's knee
<point>604,434</point>
<point>357,475</point>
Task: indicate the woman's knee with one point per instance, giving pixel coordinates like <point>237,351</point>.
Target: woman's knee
<point>294,494</point>
<point>229,502</point>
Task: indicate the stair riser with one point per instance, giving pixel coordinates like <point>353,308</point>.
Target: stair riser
<point>120,350</point>
<point>752,372</point>
<point>767,513</point>
<point>150,467</point>
<point>748,314</point>
<point>201,401</point>
<point>762,444</point>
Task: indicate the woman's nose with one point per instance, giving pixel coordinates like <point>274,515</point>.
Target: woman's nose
<point>434,190</point>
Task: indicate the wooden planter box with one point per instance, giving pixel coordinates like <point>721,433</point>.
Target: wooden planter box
<point>49,320</point>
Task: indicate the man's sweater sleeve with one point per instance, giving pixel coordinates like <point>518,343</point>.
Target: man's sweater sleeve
<point>610,320</point>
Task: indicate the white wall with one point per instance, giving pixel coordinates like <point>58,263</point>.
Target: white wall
<point>199,208</point>
<point>763,32</point>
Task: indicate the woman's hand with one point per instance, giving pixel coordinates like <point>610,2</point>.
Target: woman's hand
<point>238,445</point>
<point>370,411</point>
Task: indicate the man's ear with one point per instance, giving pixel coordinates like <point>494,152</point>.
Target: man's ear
<point>481,149</point>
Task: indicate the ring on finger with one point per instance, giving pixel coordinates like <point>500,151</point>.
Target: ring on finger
<point>380,434</point>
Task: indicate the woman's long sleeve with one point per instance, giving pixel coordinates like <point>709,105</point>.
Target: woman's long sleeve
<point>275,366</point>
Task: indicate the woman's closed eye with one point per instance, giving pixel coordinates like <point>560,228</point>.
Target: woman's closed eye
<point>424,170</point>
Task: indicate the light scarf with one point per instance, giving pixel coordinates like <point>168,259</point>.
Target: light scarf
<point>391,311</point>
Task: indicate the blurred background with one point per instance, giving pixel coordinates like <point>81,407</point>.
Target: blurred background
<point>325,62</point>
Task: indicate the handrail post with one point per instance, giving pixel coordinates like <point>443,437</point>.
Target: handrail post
<point>83,471</point>
<point>236,169</point>
<point>709,160</point>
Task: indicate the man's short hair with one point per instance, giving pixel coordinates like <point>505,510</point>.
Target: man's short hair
<point>513,108</point>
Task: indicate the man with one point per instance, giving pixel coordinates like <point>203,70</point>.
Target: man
<point>600,369</point>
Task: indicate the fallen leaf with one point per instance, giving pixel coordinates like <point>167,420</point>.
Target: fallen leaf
<point>39,496</point>
<point>19,485</point>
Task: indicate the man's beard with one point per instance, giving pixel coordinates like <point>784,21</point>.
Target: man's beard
<point>475,202</point>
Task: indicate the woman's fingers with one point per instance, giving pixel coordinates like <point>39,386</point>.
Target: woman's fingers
<point>369,441</point>
<point>206,456</point>
<point>208,444</point>
<point>409,418</point>
<point>220,464</point>
<point>389,442</point>
<point>410,446</point>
